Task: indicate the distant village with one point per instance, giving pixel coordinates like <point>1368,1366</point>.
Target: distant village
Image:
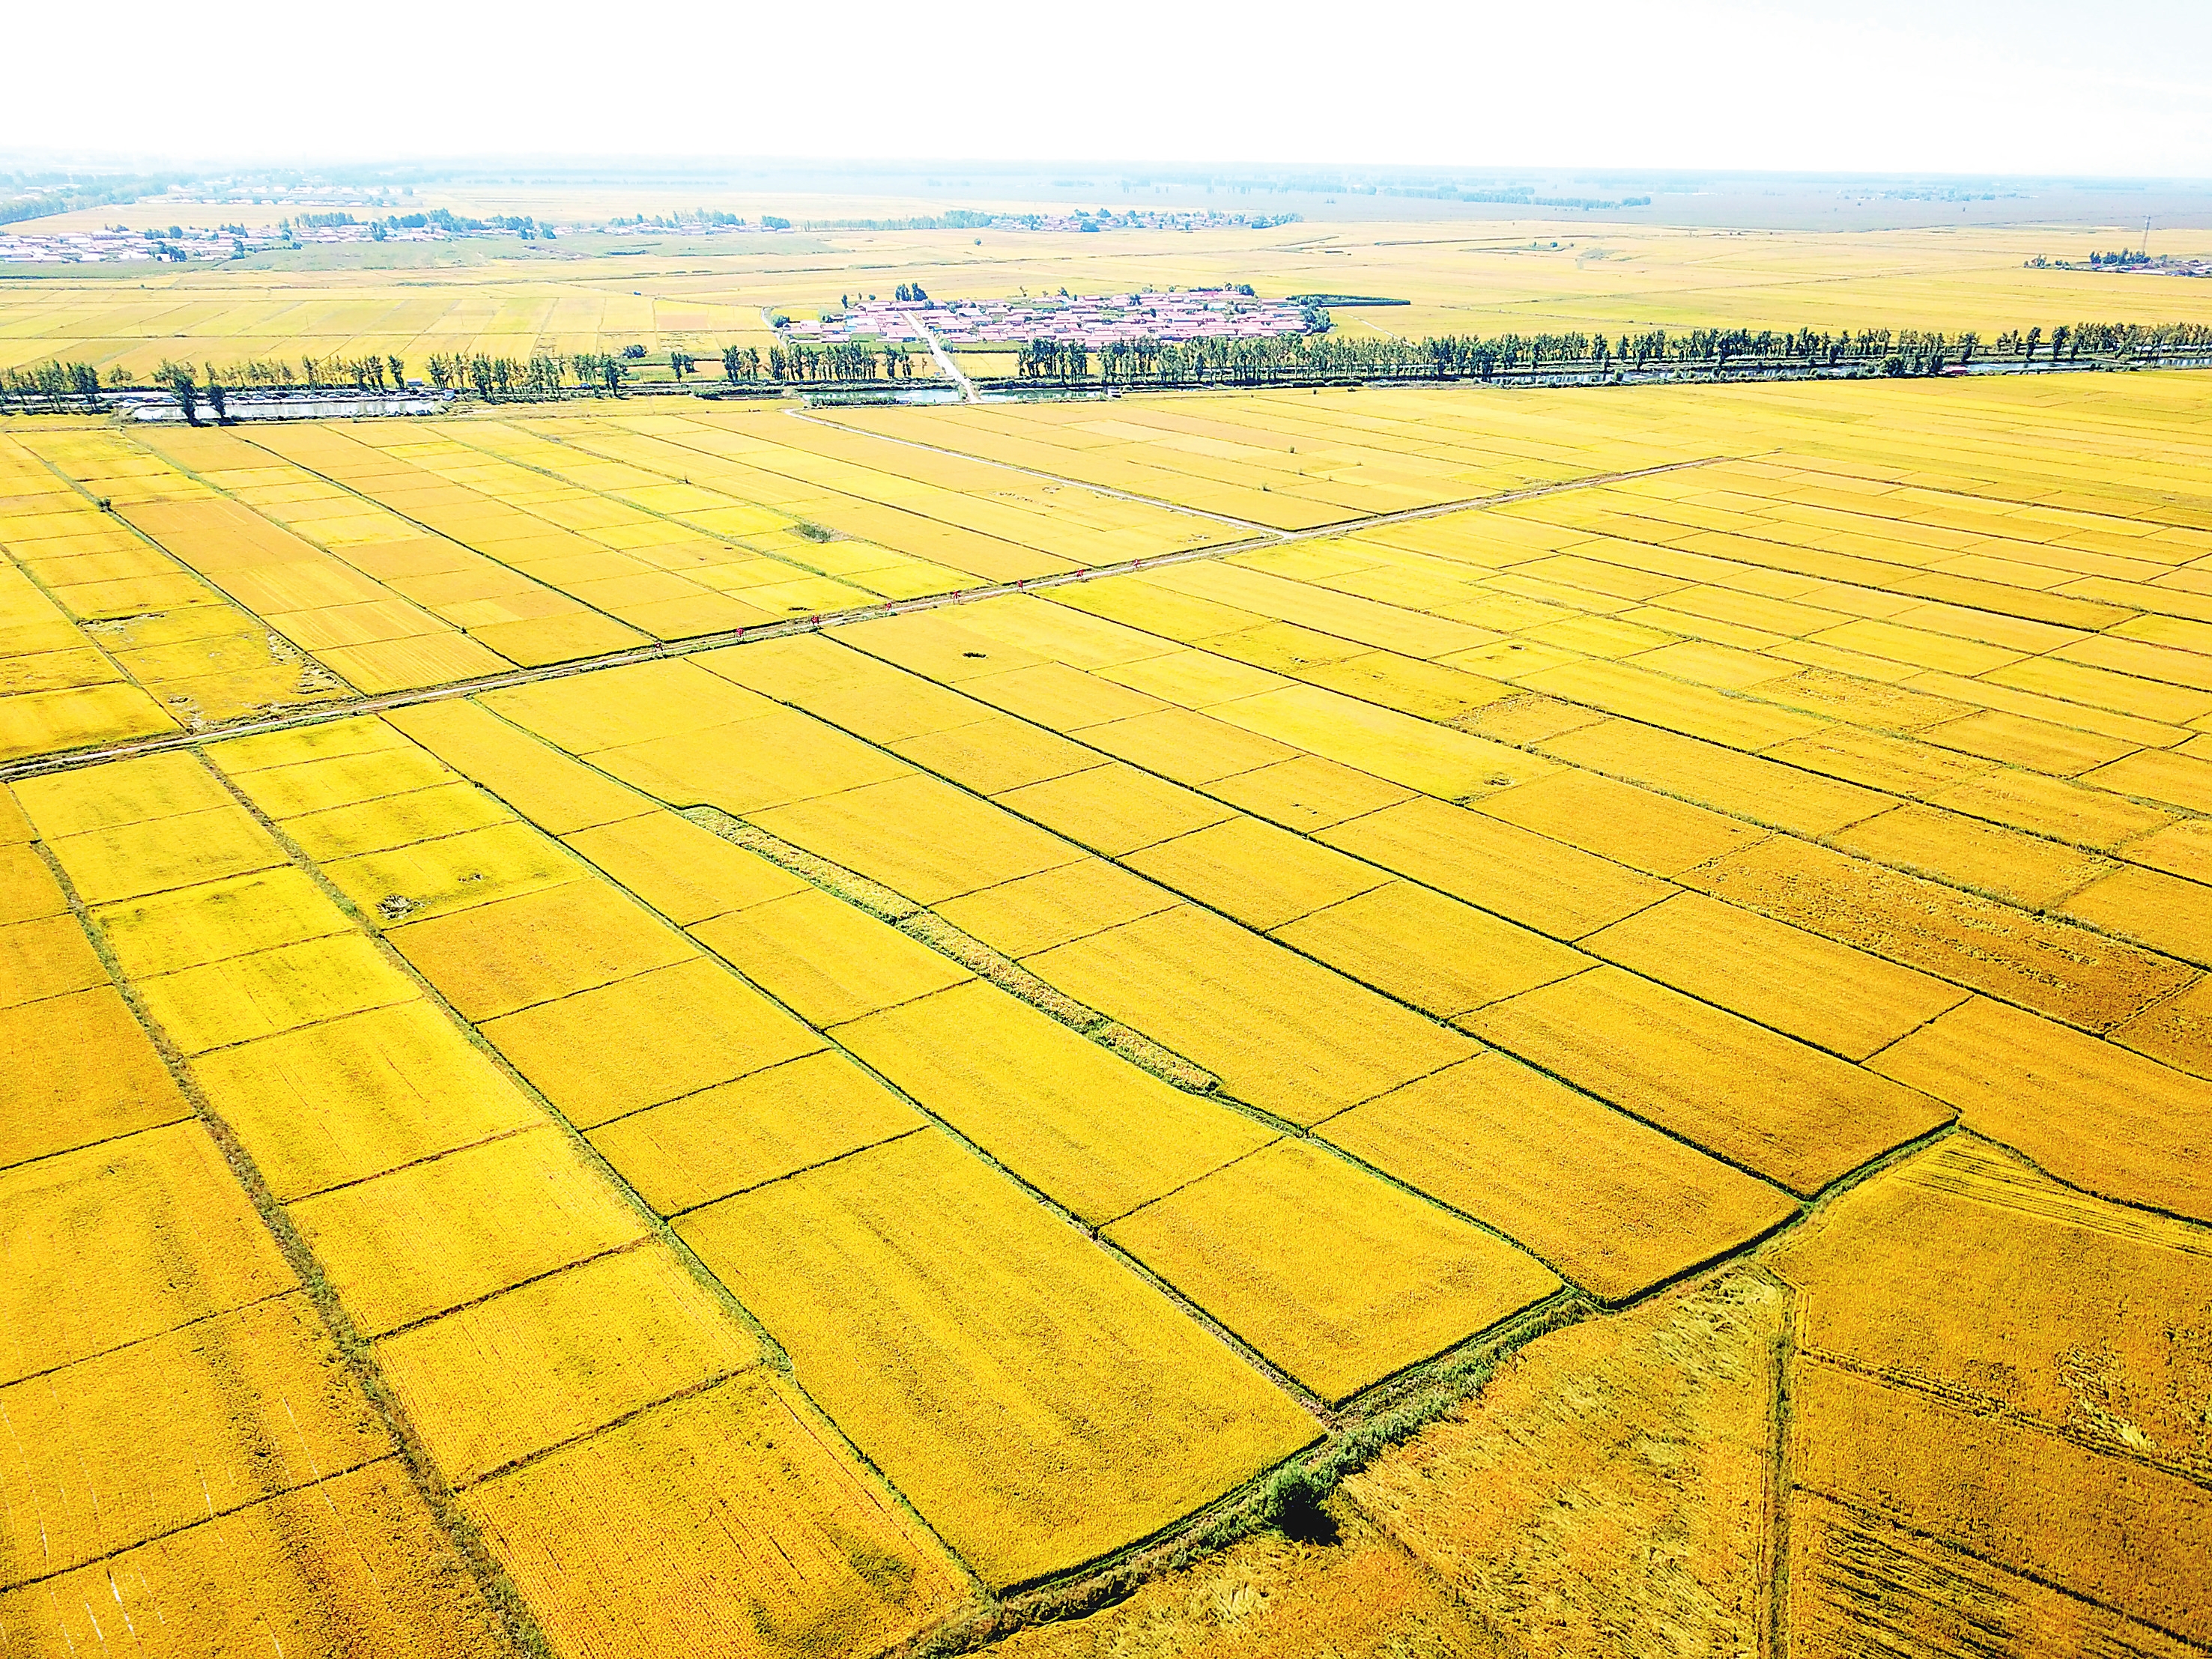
<point>183,245</point>
<point>331,226</point>
<point>1091,320</point>
<point>2129,262</point>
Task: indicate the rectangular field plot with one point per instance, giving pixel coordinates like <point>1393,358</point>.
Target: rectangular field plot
<point>994,754</point>
<point>726,1521</point>
<point>78,1069</point>
<point>269,991</point>
<point>1436,760</point>
<point>152,856</point>
<point>28,891</point>
<point>1078,1122</point>
<point>2092,1113</point>
<point>1069,1407</point>
<point>432,1235</point>
<point>42,722</point>
<point>2026,869</point>
<point>189,927</point>
<point>47,958</point>
<point>1848,1566</point>
<point>355,1097</point>
<point>2057,1512</point>
<point>453,872</point>
<point>639,1041</point>
<point>1305,792</point>
<point>1261,876</point>
<point>919,836</point>
<point>558,794</point>
<point>354,1560</point>
<point>1611,1202</point>
<point>1746,786</point>
<point>326,739</point>
<point>1113,810</point>
<point>1829,994</point>
<point>1761,1101</point>
<point>559,1357</point>
<point>2039,962</point>
<point>1526,878</point>
<point>1191,748</point>
<point>1336,1276</point>
<point>1445,957</point>
<point>1282,1033</point>
<point>324,783</point>
<point>493,959</point>
<point>687,874</point>
<point>825,960</point>
<point>2078,1275</point>
<point>720,1141</point>
<point>395,820</point>
<point>112,1244</point>
<point>203,1420</point>
<point>1035,913</point>
<point>119,794</point>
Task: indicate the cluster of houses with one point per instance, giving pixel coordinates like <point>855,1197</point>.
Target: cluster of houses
<point>1091,320</point>
<point>1140,219</point>
<point>105,246</point>
<point>178,245</point>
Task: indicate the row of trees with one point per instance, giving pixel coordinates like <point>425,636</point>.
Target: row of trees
<point>52,382</point>
<point>548,376</point>
<point>839,360</point>
<point>1451,357</point>
<point>49,384</point>
<point>435,219</point>
<point>369,374</point>
<point>1297,358</point>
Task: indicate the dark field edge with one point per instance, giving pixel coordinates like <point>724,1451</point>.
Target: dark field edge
<point>1388,1413</point>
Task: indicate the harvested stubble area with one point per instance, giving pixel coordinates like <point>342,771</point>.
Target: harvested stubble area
<point>1659,934</point>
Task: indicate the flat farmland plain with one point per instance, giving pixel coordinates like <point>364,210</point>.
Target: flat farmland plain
<point>830,1031</point>
<point>1530,274</point>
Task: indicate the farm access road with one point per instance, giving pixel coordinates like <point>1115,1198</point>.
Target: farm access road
<point>945,366</point>
<point>1261,536</point>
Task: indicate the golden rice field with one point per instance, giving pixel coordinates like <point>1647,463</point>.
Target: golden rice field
<point>1527,276</point>
<point>1627,971</point>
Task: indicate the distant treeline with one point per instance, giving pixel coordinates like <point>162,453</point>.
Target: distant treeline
<point>452,223</point>
<point>957,219</point>
<point>1104,219</point>
<point>546,376</point>
<point>1294,359</point>
<point>1300,359</point>
<point>34,196</point>
<point>541,376</point>
<point>1513,197</point>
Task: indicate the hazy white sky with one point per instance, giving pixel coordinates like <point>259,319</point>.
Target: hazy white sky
<point>2124,86</point>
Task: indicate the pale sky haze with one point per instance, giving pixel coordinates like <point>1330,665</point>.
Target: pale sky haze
<point>2031,87</point>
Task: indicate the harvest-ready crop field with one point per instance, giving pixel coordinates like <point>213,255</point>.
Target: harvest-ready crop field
<point>1534,275</point>
<point>1370,1021</point>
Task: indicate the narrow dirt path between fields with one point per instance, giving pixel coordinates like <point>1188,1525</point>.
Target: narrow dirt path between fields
<point>945,366</point>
